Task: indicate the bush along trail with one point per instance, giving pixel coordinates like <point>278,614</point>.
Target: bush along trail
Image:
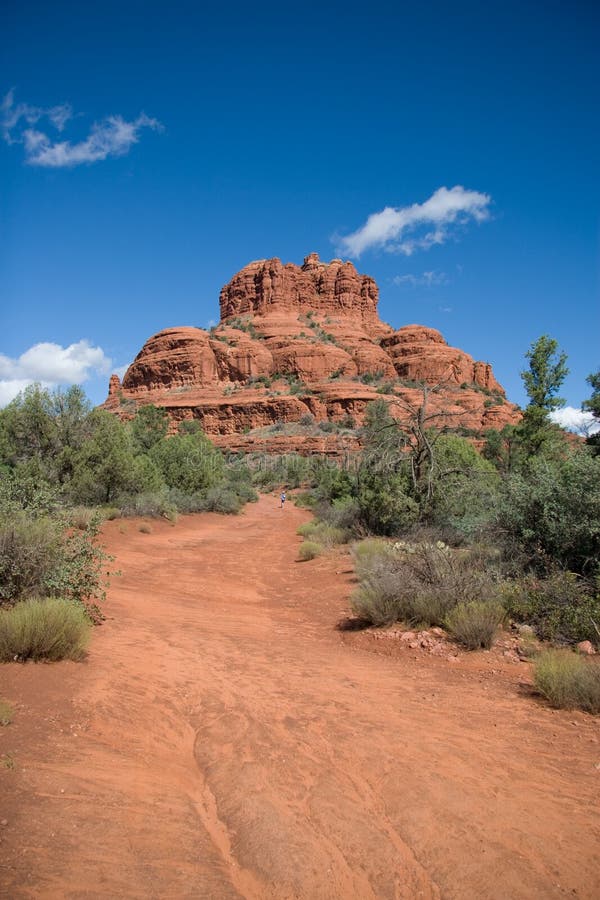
<point>224,738</point>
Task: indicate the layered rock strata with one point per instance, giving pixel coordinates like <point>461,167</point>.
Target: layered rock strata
<point>299,353</point>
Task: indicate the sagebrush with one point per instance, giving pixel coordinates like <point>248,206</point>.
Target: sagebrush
<point>568,681</point>
<point>44,629</point>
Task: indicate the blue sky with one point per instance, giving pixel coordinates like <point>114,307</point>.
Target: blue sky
<point>150,150</point>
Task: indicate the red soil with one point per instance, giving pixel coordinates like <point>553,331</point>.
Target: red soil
<point>223,739</point>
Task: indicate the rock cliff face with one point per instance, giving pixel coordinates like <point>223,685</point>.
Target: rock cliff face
<point>298,354</point>
<point>267,288</point>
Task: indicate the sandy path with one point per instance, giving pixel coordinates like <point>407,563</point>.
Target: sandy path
<point>224,740</point>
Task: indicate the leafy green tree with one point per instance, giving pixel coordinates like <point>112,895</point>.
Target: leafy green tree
<point>105,466</point>
<point>467,485</point>
<point>543,379</point>
<point>546,373</point>
<point>504,448</point>
<point>70,410</point>
<point>550,513</point>
<point>146,476</point>
<point>384,502</point>
<point>41,432</point>
<point>593,405</point>
<point>149,426</point>
<point>332,483</point>
<point>27,427</point>
<point>188,462</point>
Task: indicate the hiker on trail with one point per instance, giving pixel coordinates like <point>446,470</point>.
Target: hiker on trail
<point>282,498</point>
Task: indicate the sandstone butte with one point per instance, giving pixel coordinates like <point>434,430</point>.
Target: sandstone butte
<point>296,342</point>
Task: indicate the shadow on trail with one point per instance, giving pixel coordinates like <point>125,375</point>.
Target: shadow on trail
<point>353,623</point>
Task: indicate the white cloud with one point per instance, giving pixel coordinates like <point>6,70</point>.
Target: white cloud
<point>426,279</point>
<point>419,226</point>
<point>9,388</point>
<point>575,420</point>
<point>51,365</point>
<point>112,136</point>
<point>12,113</point>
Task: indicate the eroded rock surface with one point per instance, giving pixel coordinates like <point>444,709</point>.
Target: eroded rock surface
<point>298,346</point>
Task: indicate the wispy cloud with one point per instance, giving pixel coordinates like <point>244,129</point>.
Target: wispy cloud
<point>51,365</point>
<point>112,136</point>
<point>426,279</point>
<point>420,226</point>
<point>575,420</point>
<point>13,115</point>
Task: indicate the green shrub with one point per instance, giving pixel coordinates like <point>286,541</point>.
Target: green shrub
<point>188,462</point>
<point>43,629</point>
<point>309,550</point>
<point>386,388</point>
<point>344,513</point>
<point>180,501</point>
<point>561,607</point>
<point>242,489</point>
<point>323,533</point>
<point>80,572</point>
<point>222,500</point>
<point>157,505</point>
<point>385,506</point>
<point>30,550</point>
<point>327,427</point>
<point>305,500</point>
<point>306,529</point>
<point>145,528</point>
<point>550,513</point>
<point>466,488</point>
<point>331,482</point>
<point>568,681</point>
<point>475,623</point>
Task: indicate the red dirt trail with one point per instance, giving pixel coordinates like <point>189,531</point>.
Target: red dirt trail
<point>224,740</point>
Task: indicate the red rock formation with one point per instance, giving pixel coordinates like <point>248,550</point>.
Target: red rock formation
<point>301,341</point>
<point>268,286</point>
<point>422,354</point>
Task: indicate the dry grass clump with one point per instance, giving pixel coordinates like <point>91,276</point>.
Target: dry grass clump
<point>145,528</point>
<point>6,713</point>
<point>323,533</point>
<point>370,553</point>
<point>475,624</point>
<point>43,629</point>
<point>81,517</point>
<point>415,583</point>
<point>309,550</point>
<point>568,681</point>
